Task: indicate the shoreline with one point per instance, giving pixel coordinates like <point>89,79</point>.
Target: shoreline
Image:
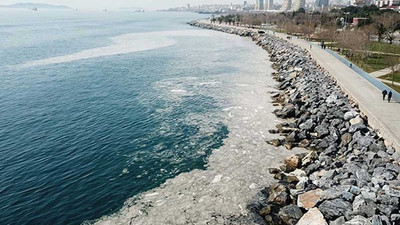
<point>349,174</point>
<point>235,173</point>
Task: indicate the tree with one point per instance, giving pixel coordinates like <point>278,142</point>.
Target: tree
<point>391,22</point>
<point>356,41</point>
<point>301,10</point>
<point>394,62</point>
<point>213,20</point>
<point>380,30</point>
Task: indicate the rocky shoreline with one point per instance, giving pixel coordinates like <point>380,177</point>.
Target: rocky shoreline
<point>348,176</point>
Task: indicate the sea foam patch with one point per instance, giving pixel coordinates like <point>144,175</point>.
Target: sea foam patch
<point>123,44</point>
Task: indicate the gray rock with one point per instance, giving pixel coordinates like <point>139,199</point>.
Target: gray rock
<point>395,218</point>
<point>338,221</point>
<point>308,125</point>
<point>364,142</point>
<point>348,196</point>
<point>376,220</point>
<point>278,194</point>
<point>356,120</point>
<point>368,195</point>
<point>350,115</point>
<point>358,220</point>
<point>363,207</point>
<point>332,209</point>
<point>346,139</point>
<point>322,130</point>
<point>290,214</point>
<point>357,127</point>
<point>363,176</point>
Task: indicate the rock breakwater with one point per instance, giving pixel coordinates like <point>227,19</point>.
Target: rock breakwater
<point>348,176</point>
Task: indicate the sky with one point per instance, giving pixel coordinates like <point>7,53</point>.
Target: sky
<point>116,4</point>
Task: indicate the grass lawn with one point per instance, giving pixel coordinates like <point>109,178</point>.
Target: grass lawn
<point>373,62</point>
<point>384,47</point>
<point>395,87</point>
<point>389,76</point>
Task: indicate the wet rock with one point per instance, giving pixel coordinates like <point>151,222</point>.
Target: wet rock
<point>312,217</point>
<point>289,145</point>
<point>288,111</point>
<point>292,162</point>
<point>309,158</point>
<point>275,142</point>
<point>274,170</point>
<point>278,194</point>
<point>265,211</point>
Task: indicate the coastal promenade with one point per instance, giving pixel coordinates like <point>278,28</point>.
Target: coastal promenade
<point>382,116</point>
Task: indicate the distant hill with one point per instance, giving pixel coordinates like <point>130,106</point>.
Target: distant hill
<point>34,5</point>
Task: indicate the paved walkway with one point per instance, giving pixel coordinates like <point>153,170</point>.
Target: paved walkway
<point>383,116</point>
<point>384,71</point>
<point>388,81</point>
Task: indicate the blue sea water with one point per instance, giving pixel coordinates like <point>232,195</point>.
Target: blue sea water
<point>98,107</point>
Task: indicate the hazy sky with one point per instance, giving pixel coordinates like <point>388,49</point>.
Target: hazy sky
<point>115,4</point>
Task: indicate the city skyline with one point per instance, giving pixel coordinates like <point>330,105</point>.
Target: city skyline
<point>116,4</point>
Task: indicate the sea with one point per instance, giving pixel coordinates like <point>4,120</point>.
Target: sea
<point>98,107</point>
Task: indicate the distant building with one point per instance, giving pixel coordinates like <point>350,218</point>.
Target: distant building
<point>359,20</point>
<point>322,3</point>
<point>259,5</point>
<point>286,5</point>
<point>297,4</point>
<point>361,2</point>
<point>383,3</point>
<point>393,7</point>
<point>269,4</point>
<point>245,4</point>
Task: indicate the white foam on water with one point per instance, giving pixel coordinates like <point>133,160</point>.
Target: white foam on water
<point>123,44</point>
<point>179,91</point>
<point>235,172</point>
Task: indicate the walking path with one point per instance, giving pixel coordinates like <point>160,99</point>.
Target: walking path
<point>383,116</point>
<point>364,89</point>
<point>384,71</point>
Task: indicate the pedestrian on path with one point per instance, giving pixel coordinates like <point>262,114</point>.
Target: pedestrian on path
<point>390,96</point>
<point>351,65</point>
<point>384,93</point>
<point>310,47</point>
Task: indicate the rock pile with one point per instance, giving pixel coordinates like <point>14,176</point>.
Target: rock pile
<point>348,176</point>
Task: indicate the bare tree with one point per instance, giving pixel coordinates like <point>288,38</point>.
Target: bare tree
<point>356,41</point>
<point>394,62</point>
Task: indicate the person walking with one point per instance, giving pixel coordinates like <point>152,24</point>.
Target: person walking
<point>384,93</point>
<point>351,65</point>
<point>390,96</point>
<point>310,47</point>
